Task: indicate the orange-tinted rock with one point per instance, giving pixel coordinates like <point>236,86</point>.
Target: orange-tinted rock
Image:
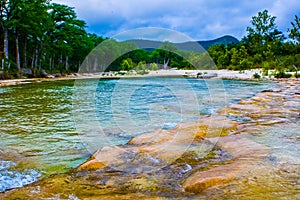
<point>156,137</point>
<point>203,180</point>
<point>161,146</point>
<point>247,154</point>
<point>247,107</point>
<point>91,165</point>
<point>213,126</point>
<point>107,156</point>
<point>260,99</point>
<point>153,161</point>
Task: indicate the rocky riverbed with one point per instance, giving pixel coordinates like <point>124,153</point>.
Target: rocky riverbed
<point>217,157</point>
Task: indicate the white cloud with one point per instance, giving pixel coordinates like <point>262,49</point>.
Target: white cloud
<point>200,19</point>
<point>285,12</point>
<point>153,33</point>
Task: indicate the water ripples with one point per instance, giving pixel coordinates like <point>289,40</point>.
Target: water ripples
<point>10,178</point>
<point>37,119</point>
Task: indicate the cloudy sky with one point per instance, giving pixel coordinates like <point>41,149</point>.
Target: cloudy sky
<point>198,19</point>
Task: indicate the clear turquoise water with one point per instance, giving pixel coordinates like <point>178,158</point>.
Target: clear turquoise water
<point>51,127</point>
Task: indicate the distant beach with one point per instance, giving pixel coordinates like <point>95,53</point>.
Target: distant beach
<point>218,74</point>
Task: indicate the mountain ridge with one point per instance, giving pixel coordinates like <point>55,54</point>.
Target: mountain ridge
<point>196,46</point>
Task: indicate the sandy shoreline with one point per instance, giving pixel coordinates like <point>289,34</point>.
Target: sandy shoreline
<point>220,74</point>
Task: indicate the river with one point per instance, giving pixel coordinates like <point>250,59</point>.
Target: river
<point>52,127</point>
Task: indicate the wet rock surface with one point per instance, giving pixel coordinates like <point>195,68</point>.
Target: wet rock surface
<point>216,156</point>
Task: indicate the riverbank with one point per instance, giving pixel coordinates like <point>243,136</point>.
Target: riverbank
<point>232,154</point>
<point>220,74</point>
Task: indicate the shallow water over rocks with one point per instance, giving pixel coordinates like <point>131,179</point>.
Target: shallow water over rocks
<point>250,150</point>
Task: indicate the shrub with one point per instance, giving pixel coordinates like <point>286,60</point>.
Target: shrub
<point>266,69</point>
<point>245,64</point>
<point>230,67</point>
<point>153,67</point>
<point>282,75</point>
<point>256,75</point>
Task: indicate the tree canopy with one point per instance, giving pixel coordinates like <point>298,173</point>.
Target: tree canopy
<point>264,46</point>
<point>40,37</point>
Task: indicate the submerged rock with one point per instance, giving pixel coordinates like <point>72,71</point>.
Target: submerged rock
<point>248,155</point>
<point>216,156</point>
<point>161,147</point>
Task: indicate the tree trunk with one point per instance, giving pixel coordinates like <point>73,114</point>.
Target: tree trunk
<point>5,40</point>
<point>25,53</point>
<point>32,60</point>
<point>166,63</point>
<point>42,60</point>
<point>50,63</point>
<point>36,58</point>
<point>61,64</point>
<point>67,63</point>
<point>95,64</point>
<point>42,55</point>
<point>18,52</point>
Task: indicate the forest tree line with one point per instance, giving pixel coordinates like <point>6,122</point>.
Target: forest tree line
<point>40,37</point>
<point>264,47</point>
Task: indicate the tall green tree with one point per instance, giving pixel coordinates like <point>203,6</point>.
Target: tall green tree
<point>33,32</point>
<point>264,26</point>
<point>65,33</point>
<point>167,52</point>
<point>6,14</point>
<point>294,33</point>
<point>262,34</point>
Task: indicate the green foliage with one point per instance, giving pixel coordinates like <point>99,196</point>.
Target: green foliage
<point>48,36</point>
<point>257,59</point>
<point>282,74</point>
<point>245,64</point>
<point>43,36</point>
<point>141,68</point>
<point>127,64</point>
<point>262,47</point>
<point>294,33</point>
<point>153,66</point>
<point>266,69</point>
<point>256,75</point>
<point>264,27</point>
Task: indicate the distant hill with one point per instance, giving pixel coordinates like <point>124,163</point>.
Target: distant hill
<point>188,46</point>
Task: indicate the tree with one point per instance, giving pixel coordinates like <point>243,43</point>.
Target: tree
<point>31,30</point>
<point>6,9</point>
<point>40,35</point>
<point>153,66</point>
<point>127,64</point>
<point>294,33</point>
<point>215,52</point>
<point>66,30</point>
<point>235,59</point>
<point>263,36</point>
<point>264,25</point>
<point>167,52</point>
<point>141,68</point>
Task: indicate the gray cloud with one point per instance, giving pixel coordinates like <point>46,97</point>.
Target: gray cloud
<point>199,19</point>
